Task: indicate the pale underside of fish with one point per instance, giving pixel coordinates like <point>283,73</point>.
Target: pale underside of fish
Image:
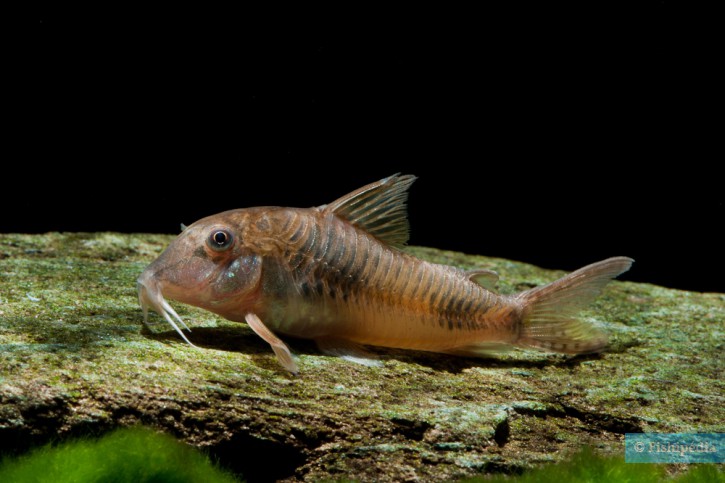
<point>337,274</point>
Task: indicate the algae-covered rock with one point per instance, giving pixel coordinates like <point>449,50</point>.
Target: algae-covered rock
<point>74,359</point>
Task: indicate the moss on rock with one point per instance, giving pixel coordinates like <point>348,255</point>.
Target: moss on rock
<point>74,360</point>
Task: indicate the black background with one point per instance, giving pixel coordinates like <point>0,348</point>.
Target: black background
<point>552,135</point>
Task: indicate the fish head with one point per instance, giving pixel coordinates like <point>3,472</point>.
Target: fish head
<point>207,266</point>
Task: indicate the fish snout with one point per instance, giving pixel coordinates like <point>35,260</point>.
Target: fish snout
<point>149,293</point>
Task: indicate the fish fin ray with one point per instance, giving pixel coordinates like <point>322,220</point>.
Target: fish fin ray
<point>548,318</point>
<point>483,349</point>
<point>347,350</point>
<point>284,356</point>
<point>483,277</point>
<point>378,208</point>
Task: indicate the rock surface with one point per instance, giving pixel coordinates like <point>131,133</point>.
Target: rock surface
<point>75,360</point>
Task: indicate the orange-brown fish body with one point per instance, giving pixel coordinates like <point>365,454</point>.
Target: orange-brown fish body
<point>324,277</point>
<point>336,274</point>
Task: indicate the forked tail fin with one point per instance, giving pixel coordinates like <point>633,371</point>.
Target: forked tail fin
<point>549,316</point>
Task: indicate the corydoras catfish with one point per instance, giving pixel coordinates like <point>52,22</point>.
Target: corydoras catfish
<point>336,274</point>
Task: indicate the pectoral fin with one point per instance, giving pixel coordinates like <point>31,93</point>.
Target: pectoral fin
<point>347,350</point>
<point>284,356</point>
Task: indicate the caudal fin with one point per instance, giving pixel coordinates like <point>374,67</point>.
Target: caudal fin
<point>549,315</point>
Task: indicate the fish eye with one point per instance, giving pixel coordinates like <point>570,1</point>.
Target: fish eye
<point>220,240</point>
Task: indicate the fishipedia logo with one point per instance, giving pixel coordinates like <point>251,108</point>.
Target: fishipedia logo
<point>674,447</point>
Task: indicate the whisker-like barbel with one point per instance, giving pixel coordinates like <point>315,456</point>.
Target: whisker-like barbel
<point>151,296</point>
<point>170,310</point>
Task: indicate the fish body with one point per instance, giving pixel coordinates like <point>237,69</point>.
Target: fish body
<point>337,274</point>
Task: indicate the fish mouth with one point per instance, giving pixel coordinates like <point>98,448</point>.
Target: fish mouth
<point>150,296</point>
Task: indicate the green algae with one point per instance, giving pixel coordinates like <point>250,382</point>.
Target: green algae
<point>74,358</point>
<point>127,455</point>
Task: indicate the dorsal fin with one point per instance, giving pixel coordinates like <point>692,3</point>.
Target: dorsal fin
<point>378,208</point>
<point>485,278</point>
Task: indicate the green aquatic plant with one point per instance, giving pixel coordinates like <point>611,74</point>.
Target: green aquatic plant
<point>125,455</point>
<point>589,467</point>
